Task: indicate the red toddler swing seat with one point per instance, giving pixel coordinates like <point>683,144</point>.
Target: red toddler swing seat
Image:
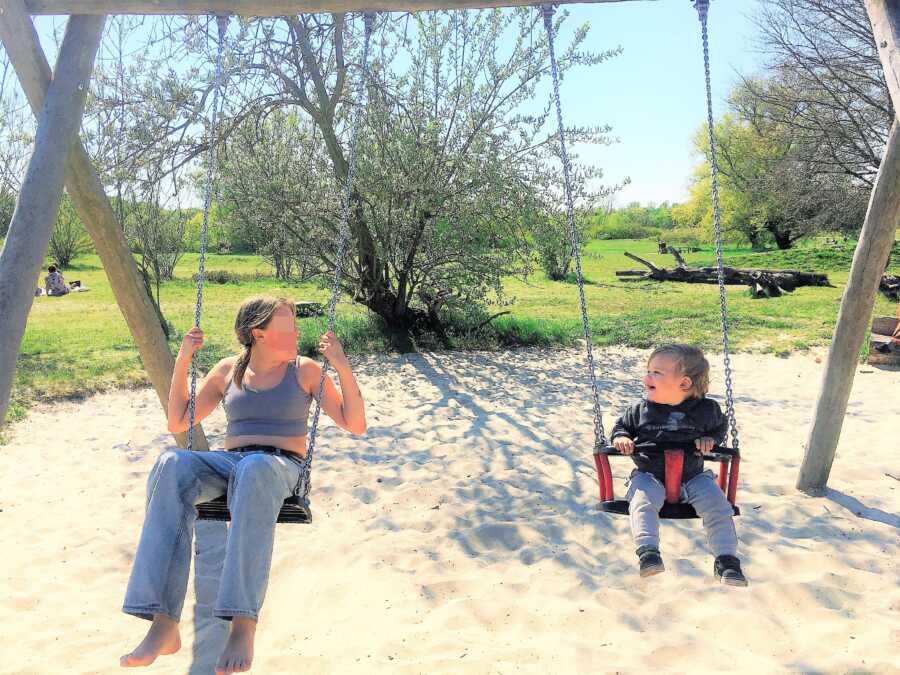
<point>729,465</point>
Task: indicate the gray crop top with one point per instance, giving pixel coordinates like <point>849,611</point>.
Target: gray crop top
<point>282,410</point>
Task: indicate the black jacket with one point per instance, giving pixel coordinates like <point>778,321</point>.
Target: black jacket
<point>689,420</point>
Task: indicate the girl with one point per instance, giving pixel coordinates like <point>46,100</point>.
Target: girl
<point>266,393</point>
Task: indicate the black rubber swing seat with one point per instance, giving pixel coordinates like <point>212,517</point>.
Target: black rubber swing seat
<point>729,465</point>
<point>294,510</point>
<point>679,511</point>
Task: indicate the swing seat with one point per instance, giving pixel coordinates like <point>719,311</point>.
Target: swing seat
<point>679,511</point>
<point>294,510</point>
<point>673,509</point>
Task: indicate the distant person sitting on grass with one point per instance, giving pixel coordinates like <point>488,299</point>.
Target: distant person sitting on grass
<point>54,283</point>
<point>676,409</point>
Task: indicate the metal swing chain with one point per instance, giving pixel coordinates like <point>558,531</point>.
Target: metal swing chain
<point>222,21</point>
<point>702,7</point>
<point>599,434</point>
<point>303,480</point>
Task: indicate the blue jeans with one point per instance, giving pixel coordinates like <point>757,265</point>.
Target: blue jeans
<point>646,496</point>
<point>256,483</point>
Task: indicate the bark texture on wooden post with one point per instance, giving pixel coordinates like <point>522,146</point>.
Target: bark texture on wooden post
<point>267,7</point>
<point>869,261</point>
<point>86,190</point>
<point>32,223</point>
<point>883,14</point>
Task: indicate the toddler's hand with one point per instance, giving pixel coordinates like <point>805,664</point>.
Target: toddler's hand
<point>705,444</point>
<point>624,445</point>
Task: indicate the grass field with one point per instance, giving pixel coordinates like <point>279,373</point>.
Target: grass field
<point>79,344</point>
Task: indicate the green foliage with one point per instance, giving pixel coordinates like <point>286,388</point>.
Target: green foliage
<point>452,146</point>
<point>623,231</point>
<point>16,140</point>
<point>770,190</point>
<point>7,206</point>
<point>156,235</point>
<point>221,236</point>
<point>688,237</point>
<point>632,222</point>
<point>448,160</point>
<point>221,277</point>
<point>69,238</point>
<point>553,242</point>
<point>272,181</point>
<point>82,345</point>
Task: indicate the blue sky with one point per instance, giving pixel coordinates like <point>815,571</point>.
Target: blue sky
<point>653,94</point>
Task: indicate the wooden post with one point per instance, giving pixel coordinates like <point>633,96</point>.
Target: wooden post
<point>869,261</point>
<point>36,208</point>
<point>86,190</point>
<point>857,303</point>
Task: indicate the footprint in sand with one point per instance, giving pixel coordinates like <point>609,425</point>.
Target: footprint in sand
<point>365,495</point>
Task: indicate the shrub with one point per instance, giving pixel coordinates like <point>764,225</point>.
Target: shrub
<point>686,236</point>
<point>69,238</point>
<point>221,277</point>
<point>7,206</point>
<point>227,277</point>
<point>624,231</point>
<point>552,242</point>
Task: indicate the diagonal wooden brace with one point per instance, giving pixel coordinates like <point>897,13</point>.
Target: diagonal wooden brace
<point>38,202</point>
<point>86,190</point>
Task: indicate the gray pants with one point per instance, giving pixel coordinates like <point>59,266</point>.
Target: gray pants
<point>256,483</point>
<point>646,496</point>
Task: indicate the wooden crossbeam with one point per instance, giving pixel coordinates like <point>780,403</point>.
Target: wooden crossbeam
<point>270,7</point>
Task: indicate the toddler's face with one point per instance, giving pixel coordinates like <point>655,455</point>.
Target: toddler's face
<point>664,381</point>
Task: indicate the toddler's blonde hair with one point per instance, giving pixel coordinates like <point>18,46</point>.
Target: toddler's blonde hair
<point>691,363</point>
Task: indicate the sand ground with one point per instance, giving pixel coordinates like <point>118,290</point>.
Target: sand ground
<point>462,535</point>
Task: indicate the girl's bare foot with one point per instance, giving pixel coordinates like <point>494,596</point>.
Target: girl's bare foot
<point>238,653</point>
<point>162,639</point>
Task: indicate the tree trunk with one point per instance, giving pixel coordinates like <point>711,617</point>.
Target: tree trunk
<point>400,325</point>
<point>763,283</point>
<point>755,241</point>
<point>782,237</point>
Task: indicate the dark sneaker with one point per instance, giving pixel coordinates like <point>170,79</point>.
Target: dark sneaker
<point>727,569</point>
<point>650,561</point>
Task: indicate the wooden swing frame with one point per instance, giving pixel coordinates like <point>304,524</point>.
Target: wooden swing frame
<point>57,100</point>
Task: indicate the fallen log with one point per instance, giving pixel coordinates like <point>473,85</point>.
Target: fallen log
<point>762,283</point>
<point>890,286</point>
